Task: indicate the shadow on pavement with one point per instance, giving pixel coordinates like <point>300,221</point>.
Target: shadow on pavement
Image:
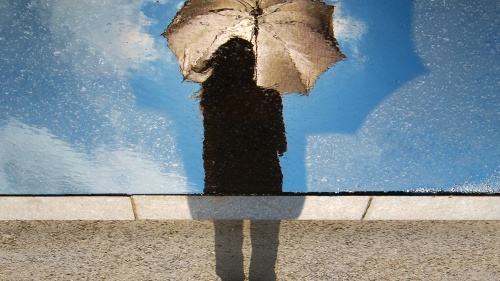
<point>264,212</point>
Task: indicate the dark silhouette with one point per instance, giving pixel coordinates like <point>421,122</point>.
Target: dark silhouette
<point>243,126</point>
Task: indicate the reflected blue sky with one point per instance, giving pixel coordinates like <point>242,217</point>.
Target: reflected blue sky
<point>92,101</point>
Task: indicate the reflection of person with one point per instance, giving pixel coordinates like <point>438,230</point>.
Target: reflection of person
<point>243,126</point>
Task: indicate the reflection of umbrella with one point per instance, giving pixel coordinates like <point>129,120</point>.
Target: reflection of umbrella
<point>293,40</point>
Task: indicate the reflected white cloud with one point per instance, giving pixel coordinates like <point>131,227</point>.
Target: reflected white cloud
<point>180,4</point>
<point>350,159</point>
<point>36,161</point>
<point>116,31</point>
<point>349,31</point>
<point>347,28</point>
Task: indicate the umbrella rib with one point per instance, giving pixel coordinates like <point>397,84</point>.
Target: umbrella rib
<point>283,43</point>
<point>220,10</point>
<point>276,8</point>
<point>244,4</point>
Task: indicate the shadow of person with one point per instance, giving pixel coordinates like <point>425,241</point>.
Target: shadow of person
<point>244,135</point>
<point>264,235</point>
<point>265,213</point>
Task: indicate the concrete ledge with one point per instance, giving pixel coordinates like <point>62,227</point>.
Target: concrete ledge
<point>250,207</point>
<point>434,208</point>
<point>66,208</point>
<point>180,207</point>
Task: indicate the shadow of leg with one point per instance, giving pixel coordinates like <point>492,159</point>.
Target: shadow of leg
<point>228,250</point>
<point>265,242</point>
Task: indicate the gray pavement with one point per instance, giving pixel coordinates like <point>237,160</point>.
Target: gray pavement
<point>304,250</point>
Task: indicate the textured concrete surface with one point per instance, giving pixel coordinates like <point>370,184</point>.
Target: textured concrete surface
<point>304,250</point>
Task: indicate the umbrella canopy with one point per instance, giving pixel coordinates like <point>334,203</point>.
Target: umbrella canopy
<point>293,40</point>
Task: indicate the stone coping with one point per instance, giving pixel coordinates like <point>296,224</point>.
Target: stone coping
<point>307,207</point>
